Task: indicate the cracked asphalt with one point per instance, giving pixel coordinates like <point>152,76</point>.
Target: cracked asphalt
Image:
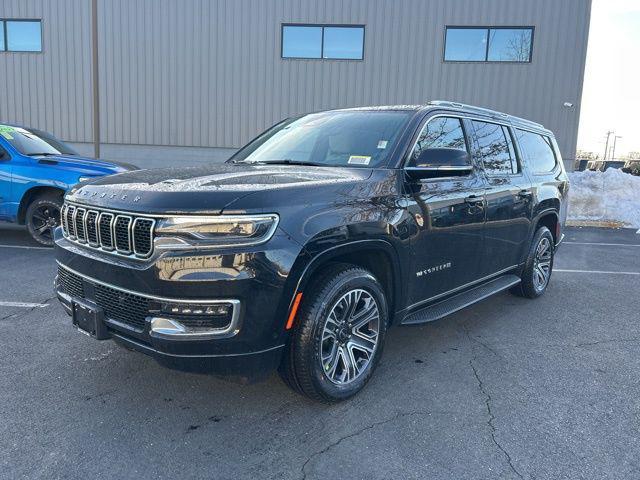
<point>506,389</point>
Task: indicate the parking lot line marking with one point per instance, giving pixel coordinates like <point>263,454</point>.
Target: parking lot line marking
<point>602,272</point>
<point>604,244</point>
<point>26,247</point>
<point>22,304</point>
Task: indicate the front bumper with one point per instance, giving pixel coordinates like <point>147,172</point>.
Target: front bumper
<point>128,296</point>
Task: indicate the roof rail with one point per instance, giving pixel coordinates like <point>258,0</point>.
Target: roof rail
<point>484,111</point>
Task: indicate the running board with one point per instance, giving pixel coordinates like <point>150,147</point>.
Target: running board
<point>461,300</point>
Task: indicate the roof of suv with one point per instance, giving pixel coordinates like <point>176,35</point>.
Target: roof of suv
<point>462,108</point>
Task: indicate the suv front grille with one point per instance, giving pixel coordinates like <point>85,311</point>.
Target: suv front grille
<point>125,235</point>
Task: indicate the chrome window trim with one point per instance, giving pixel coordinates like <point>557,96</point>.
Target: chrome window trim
<point>231,329</point>
<point>479,118</point>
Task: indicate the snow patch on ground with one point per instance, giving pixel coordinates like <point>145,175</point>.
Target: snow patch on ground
<point>610,195</point>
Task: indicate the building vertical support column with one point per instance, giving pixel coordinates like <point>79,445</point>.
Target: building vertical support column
<point>95,80</point>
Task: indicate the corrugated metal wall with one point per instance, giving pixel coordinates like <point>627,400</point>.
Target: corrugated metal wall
<point>52,89</point>
<point>209,73</point>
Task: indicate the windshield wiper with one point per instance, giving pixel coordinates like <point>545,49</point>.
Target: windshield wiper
<point>43,154</point>
<point>287,161</point>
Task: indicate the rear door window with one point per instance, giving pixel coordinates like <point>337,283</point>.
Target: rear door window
<point>495,148</point>
<point>537,150</point>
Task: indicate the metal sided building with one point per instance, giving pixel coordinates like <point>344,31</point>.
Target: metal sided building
<point>170,82</point>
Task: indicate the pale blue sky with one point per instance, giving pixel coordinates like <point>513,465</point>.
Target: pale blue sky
<point>611,96</point>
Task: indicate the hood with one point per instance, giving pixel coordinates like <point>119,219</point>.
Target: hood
<point>86,165</point>
<point>208,189</point>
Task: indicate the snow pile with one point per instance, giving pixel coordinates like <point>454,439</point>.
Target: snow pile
<point>610,195</point>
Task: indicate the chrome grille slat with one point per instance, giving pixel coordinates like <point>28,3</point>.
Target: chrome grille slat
<point>71,221</point>
<point>118,234</point>
<point>79,224</point>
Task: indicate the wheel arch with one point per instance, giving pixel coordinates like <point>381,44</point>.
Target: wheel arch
<point>376,255</point>
<point>33,193</point>
<point>549,218</point>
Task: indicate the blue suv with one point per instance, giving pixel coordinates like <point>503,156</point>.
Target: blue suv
<point>36,169</point>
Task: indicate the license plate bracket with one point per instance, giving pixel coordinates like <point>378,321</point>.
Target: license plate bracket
<point>89,318</point>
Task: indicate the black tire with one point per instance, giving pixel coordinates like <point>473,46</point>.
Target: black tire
<point>302,367</point>
<point>42,216</point>
<point>531,285</point>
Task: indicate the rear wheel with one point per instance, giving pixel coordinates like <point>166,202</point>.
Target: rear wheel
<point>338,336</point>
<point>538,266</point>
<point>42,216</point>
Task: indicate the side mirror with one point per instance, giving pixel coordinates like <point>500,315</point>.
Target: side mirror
<point>440,162</point>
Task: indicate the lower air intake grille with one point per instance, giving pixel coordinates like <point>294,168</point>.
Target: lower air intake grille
<point>70,283</point>
<point>121,306</point>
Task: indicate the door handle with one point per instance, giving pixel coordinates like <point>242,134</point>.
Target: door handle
<point>525,193</point>
<point>474,200</point>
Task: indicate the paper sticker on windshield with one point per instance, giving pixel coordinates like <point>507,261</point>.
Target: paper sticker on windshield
<point>359,160</point>
<point>382,144</point>
<point>6,131</point>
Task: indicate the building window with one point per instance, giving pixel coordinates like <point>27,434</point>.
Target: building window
<point>488,44</point>
<point>20,35</point>
<point>328,42</point>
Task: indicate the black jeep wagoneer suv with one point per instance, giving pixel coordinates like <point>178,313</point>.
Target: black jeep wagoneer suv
<point>303,249</point>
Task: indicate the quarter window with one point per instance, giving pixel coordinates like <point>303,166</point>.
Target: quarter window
<point>440,132</point>
<point>329,42</point>
<point>538,151</point>
<point>20,35</point>
<point>496,151</point>
<point>488,44</point>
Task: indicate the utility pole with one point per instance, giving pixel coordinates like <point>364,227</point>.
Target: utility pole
<point>606,145</point>
<point>615,140</point>
<point>94,77</point>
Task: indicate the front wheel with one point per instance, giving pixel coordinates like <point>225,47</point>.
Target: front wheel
<point>42,216</point>
<point>538,266</point>
<point>338,335</point>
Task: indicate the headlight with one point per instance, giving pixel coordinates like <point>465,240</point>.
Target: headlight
<point>222,231</point>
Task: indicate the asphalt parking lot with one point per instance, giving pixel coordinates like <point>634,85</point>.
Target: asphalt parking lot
<point>509,388</point>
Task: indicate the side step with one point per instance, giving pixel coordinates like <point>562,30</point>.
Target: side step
<point>461,300</point>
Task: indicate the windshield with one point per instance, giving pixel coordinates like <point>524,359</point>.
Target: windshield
<point>34,142</point>
<point>345,138</point>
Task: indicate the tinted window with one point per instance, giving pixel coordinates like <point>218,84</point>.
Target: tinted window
<point>343,42</point>
<point>488,44</point>
<point>301,42</point>
<point>1,35</point>
<point>494,148</point>
<point>510,45</point>
<point>344,138</point>
<point>537,150</point>
<point>466,45</point>
<point>441,132</point>
<point>323,41</point>
<point>23,36</point>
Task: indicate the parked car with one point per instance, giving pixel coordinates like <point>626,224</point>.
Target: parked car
<point>311,241</point>
<point>36,169</point>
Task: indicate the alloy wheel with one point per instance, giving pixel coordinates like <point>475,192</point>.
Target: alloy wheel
<point>542,264</point>
<point>44,219</point>
<point>350,337</point>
